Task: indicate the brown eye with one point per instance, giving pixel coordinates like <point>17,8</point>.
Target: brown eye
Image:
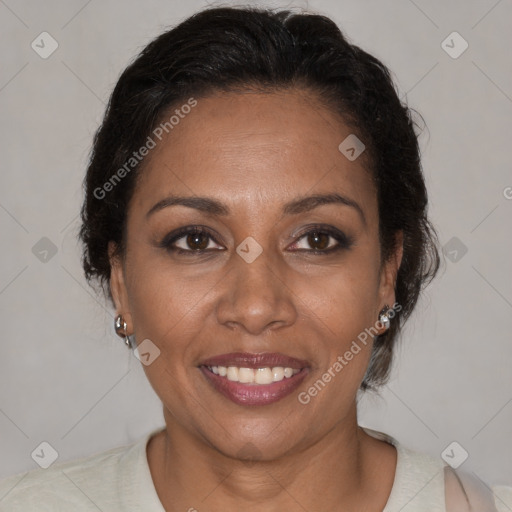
<point>322,240</point>
<point>191,240</point>
<point>197,241</point>
<point>318,240</point>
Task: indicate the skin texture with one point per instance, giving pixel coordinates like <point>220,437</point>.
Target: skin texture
<point>254,152</point>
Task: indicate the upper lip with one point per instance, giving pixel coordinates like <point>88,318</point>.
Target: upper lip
<point>262,360</point>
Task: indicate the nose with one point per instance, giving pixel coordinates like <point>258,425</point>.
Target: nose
<point>255,296</point>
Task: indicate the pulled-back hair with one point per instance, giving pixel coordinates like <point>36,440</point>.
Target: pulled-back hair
<point>229,49</point>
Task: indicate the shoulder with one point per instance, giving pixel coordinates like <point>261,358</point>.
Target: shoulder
<point>427,484</point>
<point>419,482</point>
<point>503,497</point>
<point>430,484</point>
<point>466,492</point>
<point>88,483</point>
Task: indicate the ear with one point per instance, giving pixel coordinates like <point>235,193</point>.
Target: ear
<point>118,286</point>
<point>389,272</point>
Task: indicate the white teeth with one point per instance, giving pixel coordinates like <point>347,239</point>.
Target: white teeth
<point>263,376</point>
<point>232,373</point>
<point>277,373</point>
<point>254,376</point>
<point>245,375</point>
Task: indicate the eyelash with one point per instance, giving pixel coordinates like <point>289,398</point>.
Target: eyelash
<point>343,241</point>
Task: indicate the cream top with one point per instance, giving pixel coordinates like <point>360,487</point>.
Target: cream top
<point>119,480</point>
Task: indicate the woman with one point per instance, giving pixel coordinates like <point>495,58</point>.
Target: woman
<point>256,211</point>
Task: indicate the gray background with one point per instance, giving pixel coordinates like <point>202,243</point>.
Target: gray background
<point>65,378</point>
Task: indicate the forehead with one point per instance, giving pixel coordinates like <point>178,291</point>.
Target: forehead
<point>257,148</point>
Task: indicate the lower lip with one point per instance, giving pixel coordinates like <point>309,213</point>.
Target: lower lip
<point>254,394</point>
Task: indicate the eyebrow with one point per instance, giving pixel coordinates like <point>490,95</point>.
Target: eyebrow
<point>294,207</point>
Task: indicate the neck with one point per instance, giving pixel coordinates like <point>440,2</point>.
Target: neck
<point>190,473</point>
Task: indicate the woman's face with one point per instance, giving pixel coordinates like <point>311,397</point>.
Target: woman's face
<point>296,280</point>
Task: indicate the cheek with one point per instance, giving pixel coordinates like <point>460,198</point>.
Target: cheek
<point>344,339</point>
<point>342,305</point>
<point>345,298</point>
<point>169,305</point>
<point>162,307</point>
<point>344,315</point>
<point>169,311</point>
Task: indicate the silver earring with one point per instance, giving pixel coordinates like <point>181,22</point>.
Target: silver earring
<point>120,327</point>
<point>384,317</point>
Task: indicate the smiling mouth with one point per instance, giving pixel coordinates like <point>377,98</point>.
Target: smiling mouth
<point>254,379</point>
